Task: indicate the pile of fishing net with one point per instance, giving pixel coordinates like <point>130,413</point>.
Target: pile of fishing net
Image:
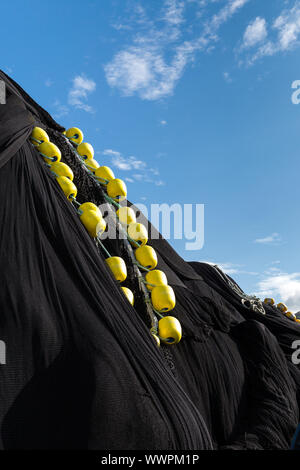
<point>82,367</point>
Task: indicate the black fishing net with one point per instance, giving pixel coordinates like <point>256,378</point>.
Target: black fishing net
<point>82,369</point>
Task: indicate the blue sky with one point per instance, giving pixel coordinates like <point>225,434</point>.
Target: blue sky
<point>190,102</point>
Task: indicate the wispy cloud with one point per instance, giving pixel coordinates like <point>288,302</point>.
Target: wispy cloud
<point>60,109</point>
<point>142,67</point>
<point>79,92</point>
<point>224,15</point>
<point>255,32</point>
<point>283,35</point>
<point>283,287</point>
<point>173,12</point>
<point>273,239</point>
<point>8,70</point>
<point>140,169</point>
<point>48,82</point>
<point>232,268</point>
<point>122,163</point>
<point>163,123</point>
<point>227,77</point>
<point>228,268</point>
<point>273,282</point>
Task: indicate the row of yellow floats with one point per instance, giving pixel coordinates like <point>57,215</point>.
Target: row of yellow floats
<point>283,309</point>
<point>162,295</point>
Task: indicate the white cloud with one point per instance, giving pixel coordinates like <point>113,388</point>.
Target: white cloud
<point>283,287</point>
<point>48,82</point>
<point>255,32</point>
<point>228,268</point>
<point>79,92</point>
<point>142,68</point>
<point>174,12</point>
<point>60,109</point>
<point>140,168</point>
<point>225,14</point>
<point>122,163</point>
<point>288,26</point>
<point>275,238</point>
<point>286,31</point>
<point>232,268</point>
<point>227,77</point>
<point>145,72</point>
<point>163,122</point>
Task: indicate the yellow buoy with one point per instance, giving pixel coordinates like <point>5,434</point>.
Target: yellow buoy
<point>75,135</point>
<point>50,152</point>
<point>146,256</point>
<point>282,307</point>
<point>138,233</point>
<point>269,301</point>
<point>156,278</point>
<point>116,189</point>
<point>86,151</point>
<point>92,165</point>
<point>104,173</point>
<point>61,169</point>
<point>39,136</point>
<point>126,215</point>
<point>67,186</point>
<point>118,267</point>
<point>290,315</point>
<point>169,330</point>
<point>93,222</point>
<point>89,206</point>
<point>156,339</point>
<point>129,294</point>
<point>163,298</point>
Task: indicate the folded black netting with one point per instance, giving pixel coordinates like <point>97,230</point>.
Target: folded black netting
<point>82,369</point>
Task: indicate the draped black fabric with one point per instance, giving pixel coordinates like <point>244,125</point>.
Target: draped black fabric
<point>82,369</point>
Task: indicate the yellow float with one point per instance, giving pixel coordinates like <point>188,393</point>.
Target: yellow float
<point>126,215</point>
<point>50,152</point>
<point>282,307</point>
<point>75,135</point>
<point>116,189</point>
<point>86,151</point>
<point>138,233</point>
<point>290,315</point>
<point>146,257</point>
<point>118,267</point>
<point>92,165</point>
<point>156,339</point>
<point>163,298</point>
<point>155,278</point>
<point>169,330</point>
<point>93,222</point>
<point>38,136</point>
<point>269,301</point>
<point>61,169</point>
<point>67,186</point>
<point>104,173</point>
<point>89,206</point>
<point>129,294</point>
